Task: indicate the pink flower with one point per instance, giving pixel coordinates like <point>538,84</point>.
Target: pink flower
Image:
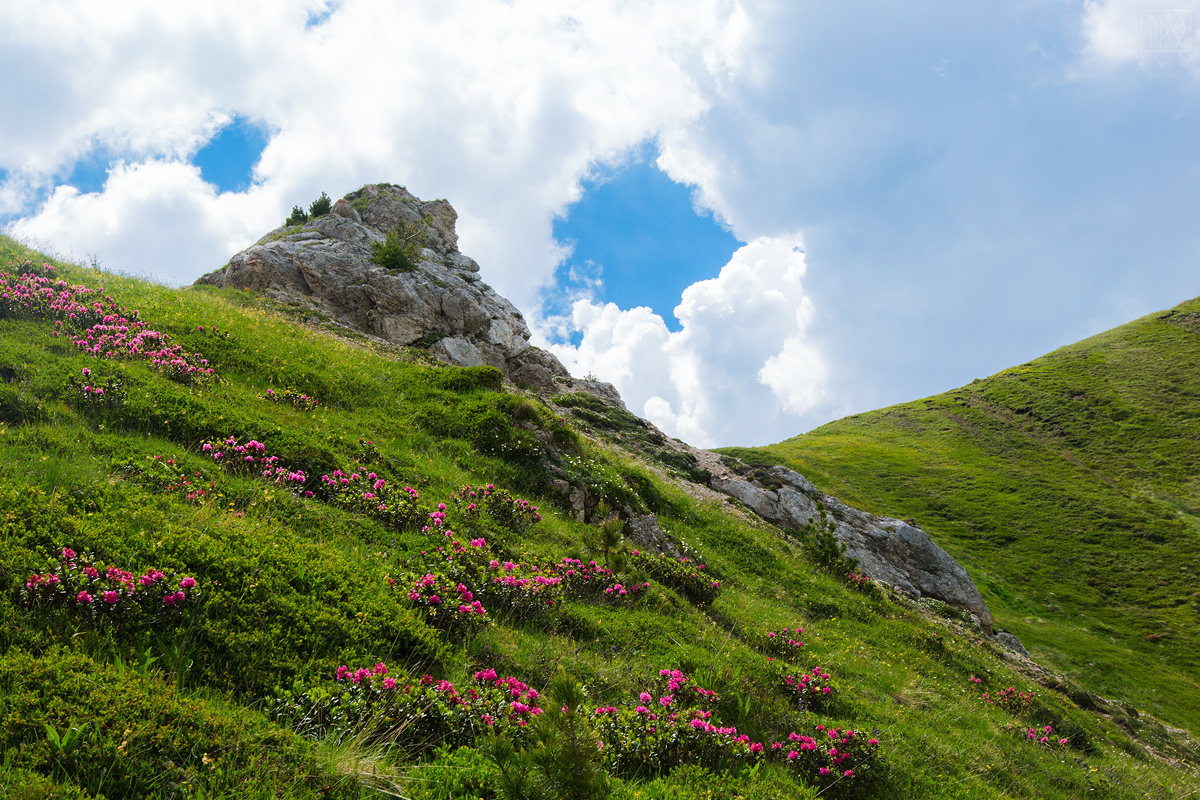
<point>68,554</point>
<point>793,755</point>
<point>823,771</point>
<point>187,583</point>
<point>83,597</point>
<point>389,683</point>
<point>110,597</point>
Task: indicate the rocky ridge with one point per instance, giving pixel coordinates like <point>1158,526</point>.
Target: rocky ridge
<point>325,265</point>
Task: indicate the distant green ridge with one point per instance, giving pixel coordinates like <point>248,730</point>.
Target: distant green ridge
<point>1070,489</point>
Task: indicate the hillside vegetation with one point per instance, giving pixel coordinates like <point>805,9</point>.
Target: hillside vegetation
<point>1070,489</point>
<point>241,557</point>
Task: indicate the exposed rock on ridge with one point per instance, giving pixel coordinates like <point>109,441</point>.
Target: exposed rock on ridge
<point>888,550</point>
<point>326,264</point>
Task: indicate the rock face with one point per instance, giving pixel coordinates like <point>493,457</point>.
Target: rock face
<point>888,550</point>
<point>442,303</point>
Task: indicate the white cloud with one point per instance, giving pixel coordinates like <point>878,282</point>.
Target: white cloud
<point>742,358</point>
<point>499,107</point>
<point>148,213</point>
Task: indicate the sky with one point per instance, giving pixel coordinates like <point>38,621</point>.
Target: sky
<point>752,217</point>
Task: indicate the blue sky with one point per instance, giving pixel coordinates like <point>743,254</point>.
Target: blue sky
<point>752,217</point>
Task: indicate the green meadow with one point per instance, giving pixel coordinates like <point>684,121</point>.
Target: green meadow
<point>383,593</point>
<point>1070,489</point>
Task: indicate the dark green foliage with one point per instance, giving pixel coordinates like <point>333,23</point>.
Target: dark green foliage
<point>121,731</point>
<point>822,547</point>
<point>298,216</point>
<point>684,576</point>
<point>564,759</point>
<point>400,251</point>
<point>320,207</point>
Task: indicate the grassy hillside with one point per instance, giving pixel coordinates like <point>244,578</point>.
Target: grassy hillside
<point>365,593</point>
<point>1070,489</point>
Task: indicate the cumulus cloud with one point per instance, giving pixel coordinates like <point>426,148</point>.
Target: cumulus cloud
<point>743,357</point>
<point>500,107</point>
<point>146,211</point>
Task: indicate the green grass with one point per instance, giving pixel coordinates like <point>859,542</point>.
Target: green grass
<point>1068,488</point>
<point>196,704</point>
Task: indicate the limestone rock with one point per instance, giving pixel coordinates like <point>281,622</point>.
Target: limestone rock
<point>888,550</point>
<point>1012,643</point>
<point>325,264</point>
<point>644,532</point>
<point>344,209</point>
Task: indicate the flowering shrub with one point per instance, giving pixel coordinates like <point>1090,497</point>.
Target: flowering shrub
<point>295,399</point>
<point>97,325</point>
<point>446,606</point>
<point>682,576</point>
<point>812,688</point>
<point>862,583</point>
<point>88,391</point>
<point>368,494</point>
<point>83,586</point>
<point>667,725</point>
<point>1011,700</point>
<point>1043,736</point>
<point>512,513</point>
<point>250,458</point>
<point>423,713</point>
<point>784,644</point>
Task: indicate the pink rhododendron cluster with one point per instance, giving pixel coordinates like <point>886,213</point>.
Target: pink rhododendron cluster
<point>683,576</point>
<point>1011,700</point>
<point>811,688</point>
<point>642,736</point>
<point>250,458</point>
<point>95,323</point>
<point>83,585</point>
<point>510,512</point>
<point>373,496</point>
<point>163,474</point>
<point>784,643</point>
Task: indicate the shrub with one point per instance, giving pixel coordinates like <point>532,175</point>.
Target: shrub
<point>683,576</point>
<point>400,250</point>
<point>298,400</point>
<point>298,216</point>
<point>84,587</point>
<point>320,207</point>
<point>88,392</point>
<point>823,549</point>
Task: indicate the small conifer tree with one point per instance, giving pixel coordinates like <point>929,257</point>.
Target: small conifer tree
<point>321,206</point>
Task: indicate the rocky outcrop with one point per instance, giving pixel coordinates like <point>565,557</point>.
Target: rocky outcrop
<point>441,304</point>
<point>888,550</point>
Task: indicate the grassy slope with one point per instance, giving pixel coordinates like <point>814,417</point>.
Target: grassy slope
<point>293,587</point>
<point>1070,489</point>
